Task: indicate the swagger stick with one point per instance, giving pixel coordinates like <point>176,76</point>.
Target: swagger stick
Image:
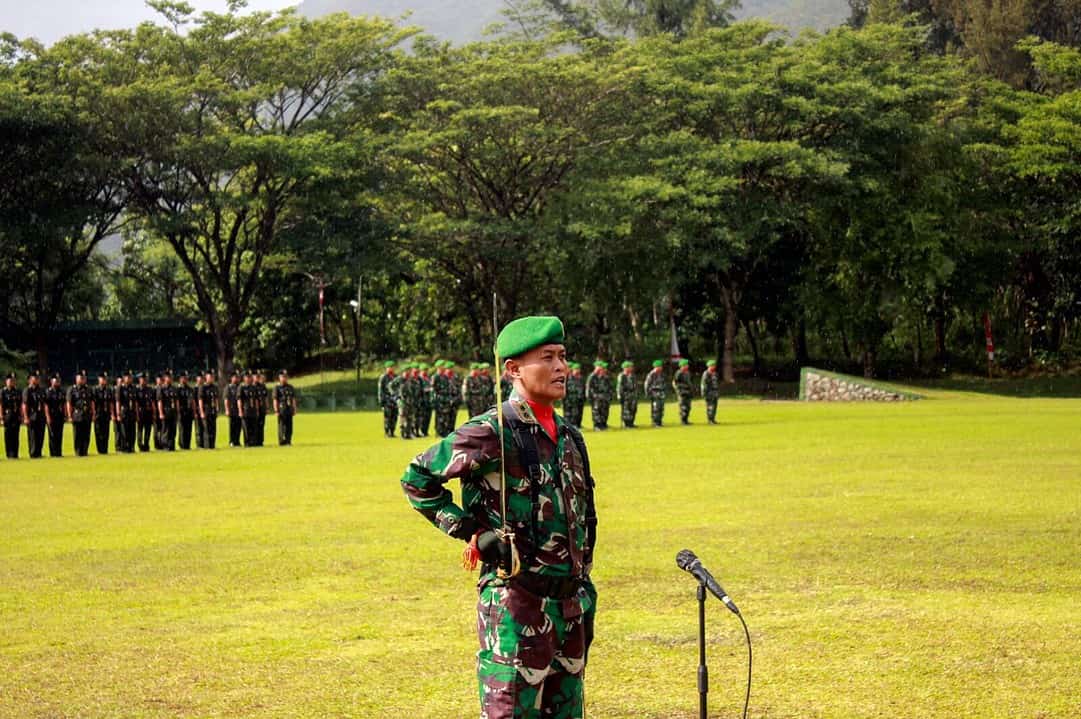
<point>507,536</point>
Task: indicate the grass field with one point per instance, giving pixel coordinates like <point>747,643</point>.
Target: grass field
<point>909,560</point>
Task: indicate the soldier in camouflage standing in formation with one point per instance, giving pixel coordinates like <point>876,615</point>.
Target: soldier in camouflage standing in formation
<point>80,408</point>
<point>388,398</point>
<point>537,601</point>
<point>104,412</point>
<point>488,387</point>
<point>574,400</point>
<point>627,393</point>
<point>408,393</point>
<point>473,391</point>
<point>684,386</point>
<point>656,389</point>
<point>424,401</point>
<point>711,390</point>
<point>599,394</point>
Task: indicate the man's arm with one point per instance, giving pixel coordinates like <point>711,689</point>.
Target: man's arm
<point>469,452</point>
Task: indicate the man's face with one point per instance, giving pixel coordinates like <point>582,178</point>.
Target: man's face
<point>627,370</point>
<point>33,381</point>
<point>80,379</point>
<point>168,380</point>
<point>54,382</point>
<point>209,378</point>
<point>102,381</point>
<point>541,373</point>
<point>142,381</point>
<point>282,379</point>
<point>9,383</point>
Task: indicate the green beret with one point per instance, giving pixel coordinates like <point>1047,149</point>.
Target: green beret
<point>422,365</point>
<point>684,362</point>
<point>388,363</point>
<point>601,363</point>
<point>525,333</point>
<point>448,364</point>
<point>658,363</point>
<point>711,363</point>
<point>627,364</point>
<point>574,365</point>
<point>484,365</point>
<point>439,363</point>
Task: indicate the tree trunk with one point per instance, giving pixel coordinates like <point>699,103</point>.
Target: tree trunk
<point>799,344</point>
<point>728,374</point>
<point>939,315</point>
<point>41,349</point>
<point>756,366</point>
<point>844,345</point>
<point>869,363</point>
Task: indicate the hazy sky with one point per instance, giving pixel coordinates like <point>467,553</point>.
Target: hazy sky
<point>49,20</point>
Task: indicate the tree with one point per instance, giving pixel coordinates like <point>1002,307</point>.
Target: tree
<point>225,120</point>
<point>61,190</point>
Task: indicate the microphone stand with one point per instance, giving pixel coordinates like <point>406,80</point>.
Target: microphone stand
<point>703,671</point>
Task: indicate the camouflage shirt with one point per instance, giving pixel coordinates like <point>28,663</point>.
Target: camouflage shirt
<point>549,530</point>
<point>598,387</point>
<point>576,391</point>
<point>387,394</point>
<point>627,389</point>
<point>656,387</point>
<point>711,386</point>
<point>683,384</point>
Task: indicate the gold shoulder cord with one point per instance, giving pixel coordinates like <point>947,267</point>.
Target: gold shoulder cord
<point>505,535</point>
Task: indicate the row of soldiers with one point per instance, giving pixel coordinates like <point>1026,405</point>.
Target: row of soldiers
<point>411,394</point>
<point>139,413</point>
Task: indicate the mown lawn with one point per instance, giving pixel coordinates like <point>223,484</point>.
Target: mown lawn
<point>908,560</point>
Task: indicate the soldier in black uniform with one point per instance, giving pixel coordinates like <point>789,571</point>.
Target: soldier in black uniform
<point>127,414</point>
<point>208,411</point>
<point>232,409</point>
<point>156,389</point>
<point>34,415</point>
<point>104,412</point>
<point>80,408</point>
<point>285,406</point>
<point>263,394</point>
<point>168,405</point>
<point>249,410</point>
<point>196,397</point>
<point>11,415</point>
<point>185,396</point>
<point>145,413</point>
<point>55,399</point>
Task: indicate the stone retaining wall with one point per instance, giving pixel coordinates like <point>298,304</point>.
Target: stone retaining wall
<point>819,386</point>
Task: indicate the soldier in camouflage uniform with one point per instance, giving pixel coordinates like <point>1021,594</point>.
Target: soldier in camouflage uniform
<point>104,412</point>
<point>657,390</point>
<point>599,394</point>
<point>487,398</point>
<point>534,625</point>
<point>684,386</point>
<point>407,401</point>
<point>627,393</point>
<point>574,400</point>
<point>452,399</point>
<point>439,397</point>
<point>387,395</point>
<point>506,386</point>
<point>711,390</point>
<point>473,391</point>
<point>424,401</point>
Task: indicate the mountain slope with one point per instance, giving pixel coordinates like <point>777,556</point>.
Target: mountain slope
<point>465,20</point>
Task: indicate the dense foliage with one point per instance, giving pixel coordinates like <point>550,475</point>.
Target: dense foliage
<point>861,197</point>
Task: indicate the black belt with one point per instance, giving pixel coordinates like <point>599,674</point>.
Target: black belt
<point>542,586</point>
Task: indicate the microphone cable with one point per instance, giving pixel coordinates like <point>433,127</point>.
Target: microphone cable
<point>750,659</point>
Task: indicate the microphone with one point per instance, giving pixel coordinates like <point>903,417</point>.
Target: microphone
<point>688,562</point>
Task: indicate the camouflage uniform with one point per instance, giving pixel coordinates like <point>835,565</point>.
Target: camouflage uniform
<point>388,400</point>
<point>574,399</point>
<point>684,387</point>
<point>711,390</point>
<point>473,393</point>
<point>627,393</point>
<point>599,395</point>
<point>656,389</point>
<point>533,645</point>
<point>424,403</point>
<point>407,403</point>
<point>487,392</point>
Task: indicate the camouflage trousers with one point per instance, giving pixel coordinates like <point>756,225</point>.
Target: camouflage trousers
<point>390,419</point>
<point>572,412</point>
<point>628,410</point>
<point>532,653</point>
<point>656,411</point>
<point>600,413</point>
<point>684,409</point>
<point>423,420</point>
<point>711,409</point>
<point>406,415</point>
<point>445,418</point>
